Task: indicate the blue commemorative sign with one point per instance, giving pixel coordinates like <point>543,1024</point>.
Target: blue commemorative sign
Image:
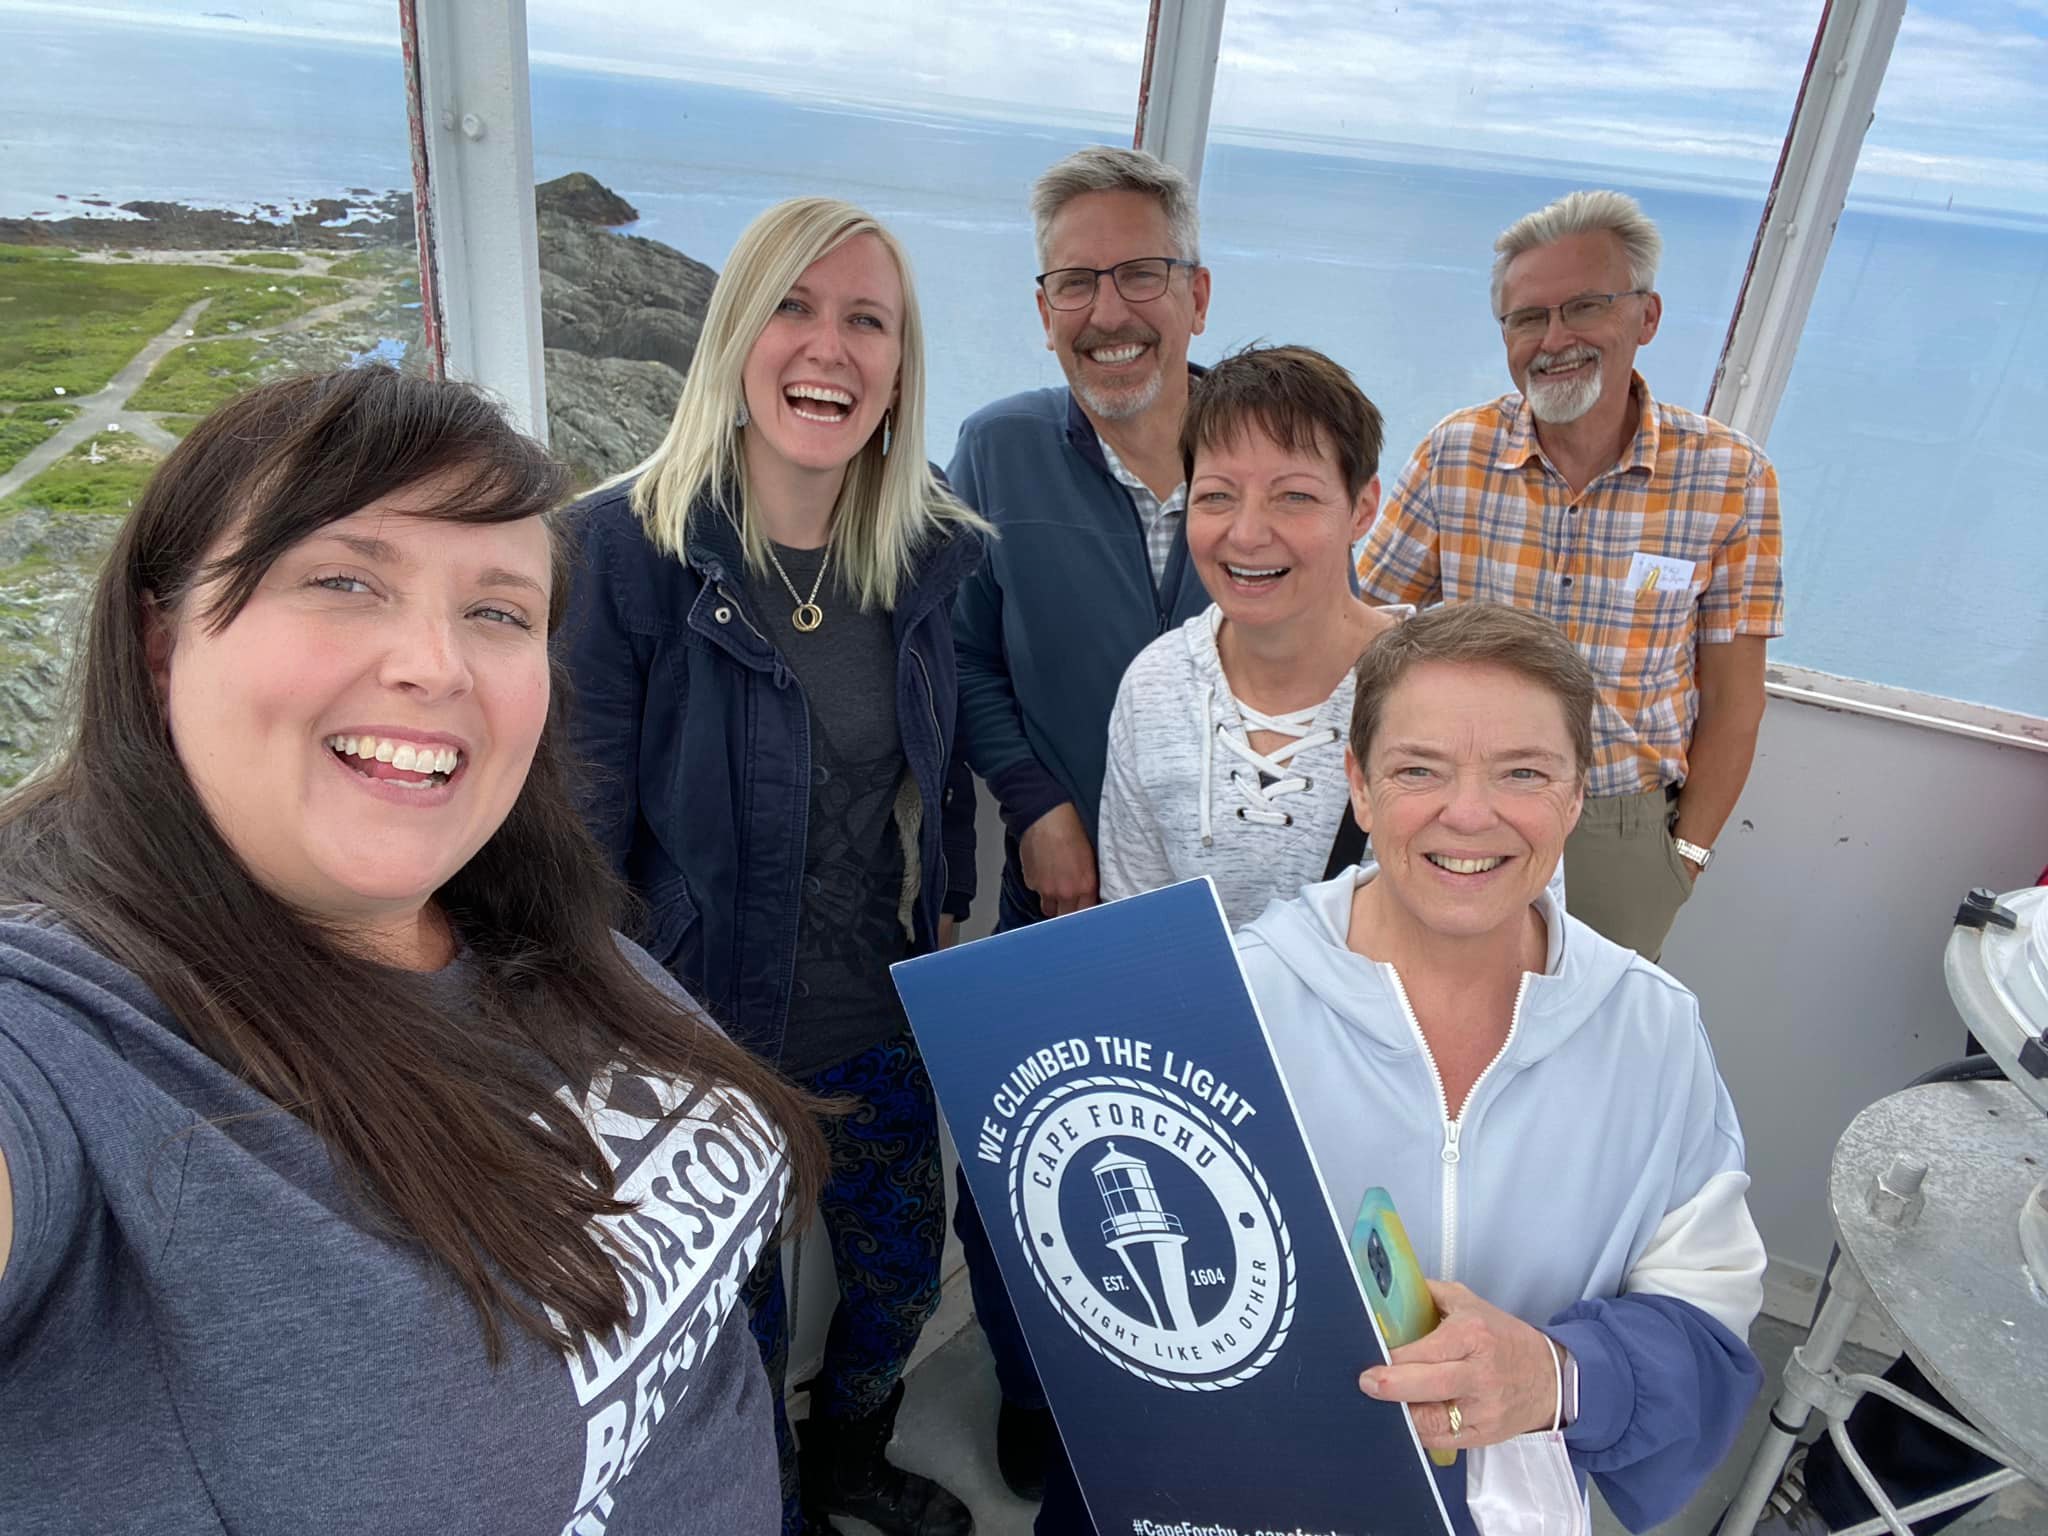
<point>1187,1292</point>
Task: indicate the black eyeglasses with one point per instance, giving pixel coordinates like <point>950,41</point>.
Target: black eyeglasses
<point>1139,280</point>
<point>1577,313</point>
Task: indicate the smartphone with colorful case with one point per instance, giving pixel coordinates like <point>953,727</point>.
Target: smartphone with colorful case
<point>1385,1261</point>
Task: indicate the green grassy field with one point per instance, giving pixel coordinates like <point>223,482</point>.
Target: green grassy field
<point>73,484</point>
<point>263,303</point>
<point>381,262</point>
<point>198,376</point>
<point>280,260</point>
<point>68,325</point>
<point>29,424</point>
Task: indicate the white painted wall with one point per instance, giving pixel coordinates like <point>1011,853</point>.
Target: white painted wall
<point>1815,942</point>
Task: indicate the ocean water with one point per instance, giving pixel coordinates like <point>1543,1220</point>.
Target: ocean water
<point>1907,445</point>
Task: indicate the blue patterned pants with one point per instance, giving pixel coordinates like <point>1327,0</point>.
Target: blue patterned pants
<point>884,1211</point>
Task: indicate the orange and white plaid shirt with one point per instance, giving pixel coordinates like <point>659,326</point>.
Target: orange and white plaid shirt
<point>1677,546</point>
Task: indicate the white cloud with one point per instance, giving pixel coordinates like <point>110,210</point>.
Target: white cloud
<point>372,23</point>
<point>1059,58</point>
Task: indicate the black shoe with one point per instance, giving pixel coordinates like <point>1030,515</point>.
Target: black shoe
<point>846,1471</point>
<point>1024,1441</point>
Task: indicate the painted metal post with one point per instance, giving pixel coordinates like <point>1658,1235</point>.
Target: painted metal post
<point>422,203</point>
<point>475,112</point>
<point>1179,82</point>
<point>1829,120</point>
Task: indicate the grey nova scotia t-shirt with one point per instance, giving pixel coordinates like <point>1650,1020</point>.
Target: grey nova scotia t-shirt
<point>199,1332</point>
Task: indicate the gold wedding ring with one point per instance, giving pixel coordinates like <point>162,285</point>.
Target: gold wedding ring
<point>1457,1420</point>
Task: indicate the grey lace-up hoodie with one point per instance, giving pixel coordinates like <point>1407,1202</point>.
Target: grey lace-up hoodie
<point>1184,795</point>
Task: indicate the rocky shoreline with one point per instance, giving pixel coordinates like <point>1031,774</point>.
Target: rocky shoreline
<point>330,224</point>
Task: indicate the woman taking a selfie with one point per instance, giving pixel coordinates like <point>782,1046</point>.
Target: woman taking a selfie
<point>763,661</point>
<point>359,1176</point>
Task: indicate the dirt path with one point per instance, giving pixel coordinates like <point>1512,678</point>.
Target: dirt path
<point>365,294</point>
<point>311,263</point>
<point>106,410</point>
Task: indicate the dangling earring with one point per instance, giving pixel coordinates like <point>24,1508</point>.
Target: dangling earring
<point>888,427</point>
<point>743,417</point>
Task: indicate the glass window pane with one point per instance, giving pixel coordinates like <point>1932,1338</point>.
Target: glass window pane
<point>1362,158</point>
<point>191,205</point>
<point>933,118</point>
<point>1909,443</point>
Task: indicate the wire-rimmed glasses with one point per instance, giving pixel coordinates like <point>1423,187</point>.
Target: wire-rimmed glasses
<point>1578,313</point>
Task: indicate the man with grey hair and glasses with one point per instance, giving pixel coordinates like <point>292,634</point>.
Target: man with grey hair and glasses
<point>1648,532</point>
<point>1083,485</point>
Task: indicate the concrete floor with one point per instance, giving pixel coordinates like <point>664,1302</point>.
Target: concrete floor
<point>947,1431</point>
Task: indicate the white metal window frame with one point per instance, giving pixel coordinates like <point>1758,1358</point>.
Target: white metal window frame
<point>1837,103</point>
<point>1183,39</point>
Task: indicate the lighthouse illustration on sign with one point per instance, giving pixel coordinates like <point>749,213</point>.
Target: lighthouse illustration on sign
<point>1145,1236</point>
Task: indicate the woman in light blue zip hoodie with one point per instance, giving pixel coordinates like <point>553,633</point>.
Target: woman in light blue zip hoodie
<point>1542,1105</point>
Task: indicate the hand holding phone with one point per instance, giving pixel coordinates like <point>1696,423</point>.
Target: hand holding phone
<point>1394,1287</point>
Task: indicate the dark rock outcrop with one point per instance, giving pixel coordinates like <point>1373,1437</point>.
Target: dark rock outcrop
<point>620,317</point>
<point>606,414</point>
<point>47,561</point>
<point>608,295</point>
<point>581,196</point>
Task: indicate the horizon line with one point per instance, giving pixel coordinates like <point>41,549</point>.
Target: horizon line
<point>1710,172</point>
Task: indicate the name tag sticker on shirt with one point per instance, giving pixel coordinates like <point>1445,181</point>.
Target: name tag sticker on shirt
<point>1185,1288</point>
<point>1650,574</point>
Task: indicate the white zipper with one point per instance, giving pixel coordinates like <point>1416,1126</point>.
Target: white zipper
<point>1451,1154</point>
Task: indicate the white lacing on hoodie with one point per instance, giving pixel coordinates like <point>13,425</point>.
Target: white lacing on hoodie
<point>1270,777</point>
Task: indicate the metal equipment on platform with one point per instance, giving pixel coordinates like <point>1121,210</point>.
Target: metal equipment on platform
<point>1939,1197</point>
<point>1997,971</point>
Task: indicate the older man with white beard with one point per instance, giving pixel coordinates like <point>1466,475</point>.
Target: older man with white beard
<point>1649,533</point>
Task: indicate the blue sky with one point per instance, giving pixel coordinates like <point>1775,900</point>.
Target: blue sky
<point>1702,89</point>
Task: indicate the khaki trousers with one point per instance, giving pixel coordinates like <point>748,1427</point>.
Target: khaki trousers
<point>1622,876</point>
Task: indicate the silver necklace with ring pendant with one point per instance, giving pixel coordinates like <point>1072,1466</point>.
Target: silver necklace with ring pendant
<point>807,615</point>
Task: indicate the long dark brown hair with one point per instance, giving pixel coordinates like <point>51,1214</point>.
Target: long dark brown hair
<point>442,1115</point>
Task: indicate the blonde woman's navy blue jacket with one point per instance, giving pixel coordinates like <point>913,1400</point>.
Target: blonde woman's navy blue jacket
<point>694,738</point>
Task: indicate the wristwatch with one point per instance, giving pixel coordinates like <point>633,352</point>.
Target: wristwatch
<point>1693,851</point>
